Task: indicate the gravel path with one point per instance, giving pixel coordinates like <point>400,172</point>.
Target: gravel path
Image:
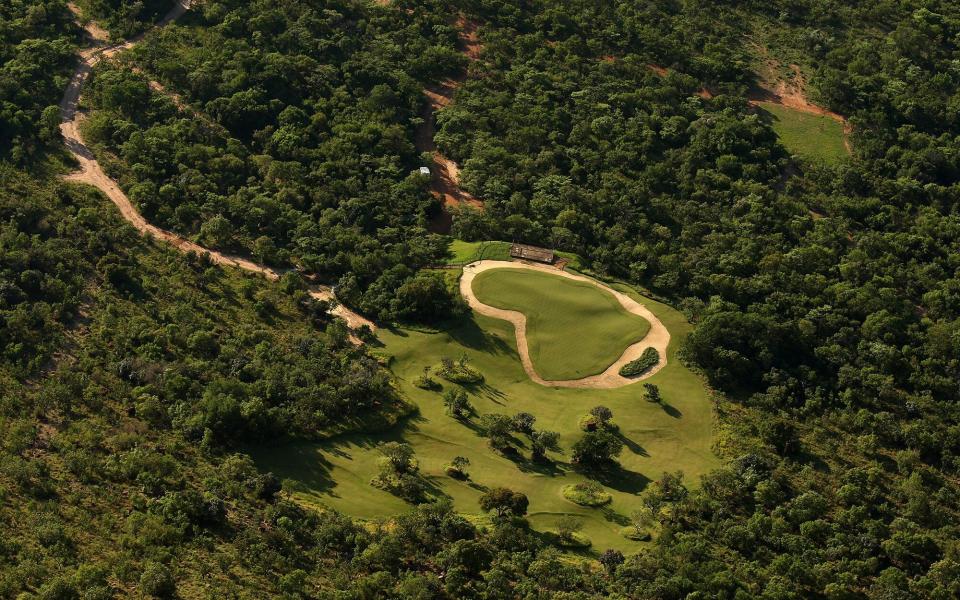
<point>91,173</point>
<point>658,337</point>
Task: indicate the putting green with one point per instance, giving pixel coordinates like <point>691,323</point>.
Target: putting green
<point>574,329</point>
<point>677,435</point>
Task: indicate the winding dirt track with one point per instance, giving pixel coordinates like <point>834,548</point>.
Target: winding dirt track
<point>658,337</point>
<point>91,173</point>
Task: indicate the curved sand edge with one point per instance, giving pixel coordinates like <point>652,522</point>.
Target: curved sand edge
<point>658,337</point>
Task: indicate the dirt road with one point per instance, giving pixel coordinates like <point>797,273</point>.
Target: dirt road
<point>658,337</point>
<point>445,173</point>
<point>91,173</point>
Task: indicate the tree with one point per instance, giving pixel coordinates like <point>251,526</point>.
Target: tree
<point>457,404</point>
<point>497,428</point>
<point>460,463</point>
<point>541,441</point>
<point>504,502</point>
<point>597,448</point>
<point>398,456</point>
<point>651,393</point>
<point>523,422</point>
<point>568,526</point>
<point>602,414</point>
<point>611,559</point>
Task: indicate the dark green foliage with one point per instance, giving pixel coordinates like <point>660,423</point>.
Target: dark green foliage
<point>36,53</point>
<point>597,448</point>
<point>504,502</point>
<point>647,361</point>
<point>301,153</point>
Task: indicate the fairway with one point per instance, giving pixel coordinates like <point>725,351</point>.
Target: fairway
<point>804,134</point>
<point>675,436</point>
<point>574,329</point>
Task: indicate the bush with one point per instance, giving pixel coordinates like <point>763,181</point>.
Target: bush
<point>157,581</point>
<point>459,372</point>
<point>647,361</point>
<point>587,494</point>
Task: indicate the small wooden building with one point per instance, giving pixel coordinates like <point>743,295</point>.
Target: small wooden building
<point>533,253</point>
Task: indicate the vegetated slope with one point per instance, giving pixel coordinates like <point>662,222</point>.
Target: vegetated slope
<point>307,157</point>
<point>573,329</point>
<point>128,373</point>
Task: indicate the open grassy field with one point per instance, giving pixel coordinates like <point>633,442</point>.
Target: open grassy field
<point>804,134</point>
<point>574,329</point>
<point>674,436</point>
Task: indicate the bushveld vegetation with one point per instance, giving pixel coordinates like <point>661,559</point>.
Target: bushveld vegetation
<point>130,376</point>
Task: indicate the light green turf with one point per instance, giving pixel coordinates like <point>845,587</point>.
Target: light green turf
<point>574,328</point>
<point>676,436</point>
<point>805,134</point>
<point>462,252</point>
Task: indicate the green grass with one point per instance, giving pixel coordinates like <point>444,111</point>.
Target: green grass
<point>678,435</point>
<point>462,252</point>
<point>806,135</point>
<point>574,329</point>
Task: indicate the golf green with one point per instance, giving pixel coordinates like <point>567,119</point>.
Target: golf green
<point>574,329</point>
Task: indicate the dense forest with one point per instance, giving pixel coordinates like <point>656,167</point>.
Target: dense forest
<point>825,298</point>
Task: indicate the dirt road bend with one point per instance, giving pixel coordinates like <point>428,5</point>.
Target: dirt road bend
<point>658,337</point>
<point>91,173</point>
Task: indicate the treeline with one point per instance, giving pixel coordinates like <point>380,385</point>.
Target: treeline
<point>37,42</point>
<point>302,151</point>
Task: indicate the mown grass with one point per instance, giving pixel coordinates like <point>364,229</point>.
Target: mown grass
<point>676,435</point>
<point>806,135</point>
<point>574,329</point>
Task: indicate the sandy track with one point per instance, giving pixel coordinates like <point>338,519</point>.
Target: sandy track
<point>91,173</point>
<point>658,337</point>
<point>445,184</point>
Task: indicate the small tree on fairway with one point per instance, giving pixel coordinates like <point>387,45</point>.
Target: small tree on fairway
<point>651,393</point>
<point>523,422</point>
<point>498,429</point>
<point>398,456</point>
<point>460,463</point>
<point>504,502</point>
<point>541,441</point>
<point>596,448</point>
<point>602,414</point>
<point>567,526</point>
<point>457,404</point>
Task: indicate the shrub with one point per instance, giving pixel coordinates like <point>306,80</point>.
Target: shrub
<point>459,372</point>
<point>587,493</point>
<point>157,581</point>
<point>647,361</point>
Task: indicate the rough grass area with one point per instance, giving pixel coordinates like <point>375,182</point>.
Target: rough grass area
<point>658,438</point>
<point>574,329</point>
<point>585,495</point>
<point>806,135</point>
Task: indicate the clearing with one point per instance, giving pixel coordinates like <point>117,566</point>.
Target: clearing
<point>573,329</point>
<point>806,134</point>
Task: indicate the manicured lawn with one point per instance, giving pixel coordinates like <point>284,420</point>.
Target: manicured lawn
<point>806,135</point>
<point>676,436</point>
<point>574,329</point>
<point>465,252</point>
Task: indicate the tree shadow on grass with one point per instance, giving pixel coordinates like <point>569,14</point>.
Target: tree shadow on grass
<point>631,445</point>
<point>543,466</point>
<point>470,335</point>
<point>618,478</point>
<point>613,516</point>
<point>671,410</point>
